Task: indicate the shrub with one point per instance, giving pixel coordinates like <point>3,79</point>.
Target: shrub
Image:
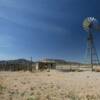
<point>33,98</point>
<point>1,88</point>
<point>97,70</point>
<point>73,96</point>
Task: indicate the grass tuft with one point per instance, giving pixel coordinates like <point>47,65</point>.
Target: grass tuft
<point>73,96</point>
<point>1,89</point>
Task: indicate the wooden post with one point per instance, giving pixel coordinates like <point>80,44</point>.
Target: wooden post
<point>37,66</point>
<point>70,67</point>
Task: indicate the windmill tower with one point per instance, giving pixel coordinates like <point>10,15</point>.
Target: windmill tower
<point>90,25</point>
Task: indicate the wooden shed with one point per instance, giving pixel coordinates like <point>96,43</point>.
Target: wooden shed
<point>45,65</point>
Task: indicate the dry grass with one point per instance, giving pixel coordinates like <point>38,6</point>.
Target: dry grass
<point>53,85</point>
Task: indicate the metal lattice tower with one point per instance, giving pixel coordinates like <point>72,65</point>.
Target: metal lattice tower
<point>89,25</point>
<point>92,57</point>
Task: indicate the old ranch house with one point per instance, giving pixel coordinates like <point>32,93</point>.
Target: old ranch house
<point>45,65</point>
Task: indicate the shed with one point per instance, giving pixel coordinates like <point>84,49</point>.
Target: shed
<point>43,65</point>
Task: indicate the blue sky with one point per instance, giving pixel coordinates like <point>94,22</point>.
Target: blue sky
<point>45,28</point>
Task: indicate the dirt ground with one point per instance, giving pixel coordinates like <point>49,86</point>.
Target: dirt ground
<point>54,85</point>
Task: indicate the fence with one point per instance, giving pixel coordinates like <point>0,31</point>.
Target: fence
<point>76,67</point>
<point>15,67</point>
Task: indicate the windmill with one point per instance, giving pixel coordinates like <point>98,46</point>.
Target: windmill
<point>90,25</point>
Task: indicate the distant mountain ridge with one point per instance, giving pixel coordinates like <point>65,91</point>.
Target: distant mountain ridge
<point>18,61</point>
<point>60,61</point>
<point>24,61</point>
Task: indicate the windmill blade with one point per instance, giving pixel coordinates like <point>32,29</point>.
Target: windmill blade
<point>91,23</point>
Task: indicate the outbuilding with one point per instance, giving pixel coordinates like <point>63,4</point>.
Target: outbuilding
<point>45,65</point>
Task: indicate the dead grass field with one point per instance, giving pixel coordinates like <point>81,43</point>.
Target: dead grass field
<point>52,85</point>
